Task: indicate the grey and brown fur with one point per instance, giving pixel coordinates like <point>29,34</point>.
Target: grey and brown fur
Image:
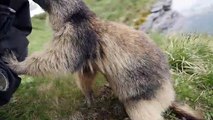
<point>136,69</point>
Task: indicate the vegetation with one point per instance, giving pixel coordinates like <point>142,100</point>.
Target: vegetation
<point>126,11</point>
<point>190,57</point>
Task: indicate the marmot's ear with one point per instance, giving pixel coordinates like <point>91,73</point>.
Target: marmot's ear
<point>44,4</point>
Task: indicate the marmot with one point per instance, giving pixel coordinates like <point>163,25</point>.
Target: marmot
<point>136,69</point>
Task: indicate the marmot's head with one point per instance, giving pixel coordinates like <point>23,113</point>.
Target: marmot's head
<point>58,6</point>
<point>61,11</point>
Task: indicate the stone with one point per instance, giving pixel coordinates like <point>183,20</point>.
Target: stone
<point>167,5</point>
<point>162,18</point>
<point>166,22</point>
<point>157,7</point>
<point>146,26</point>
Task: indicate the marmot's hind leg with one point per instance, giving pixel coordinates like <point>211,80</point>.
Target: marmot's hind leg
<point>84,81</point>
<point>151,109</point>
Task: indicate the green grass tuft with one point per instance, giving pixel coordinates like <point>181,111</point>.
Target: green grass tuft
<point>191,61</point>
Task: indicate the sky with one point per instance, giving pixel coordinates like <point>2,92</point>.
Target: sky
<point>191,7</point>
<point>34,9</point>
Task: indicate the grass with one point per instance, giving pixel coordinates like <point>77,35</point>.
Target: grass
<point>126,11</point>
<point>41,33</point>
<point>190,57</point>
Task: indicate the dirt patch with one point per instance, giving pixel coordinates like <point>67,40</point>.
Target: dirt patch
<point>106,107</point>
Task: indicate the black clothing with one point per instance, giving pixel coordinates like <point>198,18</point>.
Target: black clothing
<point>14,28</point>
<point>16,39</point>
<point>5,2</point>
<point>22,20</point>
<point>6,19</point>
<point>14,82</point>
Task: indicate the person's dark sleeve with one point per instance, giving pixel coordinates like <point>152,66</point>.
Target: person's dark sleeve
<point>6,19</point>
<point>16,41</point>
<point>22,20</point>
<point>5,2</point>
<point>14,38</point>
<point>14,82</point>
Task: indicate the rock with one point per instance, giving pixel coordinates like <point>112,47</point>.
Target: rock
<point>161,22</point>
<point>165,22</point>
<point>162,18</point>
<point>166,8</point>
<point>154,16</point>
<point>157,7</point>
<point>147,26</point>
<point>150,21</point>
<point>162,5</point>
<point>167,5</point>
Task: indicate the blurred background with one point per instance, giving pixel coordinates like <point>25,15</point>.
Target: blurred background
<point>182,28</point>
<point>188,15</point>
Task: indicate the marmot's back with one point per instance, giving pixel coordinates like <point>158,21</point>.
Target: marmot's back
<point>135,64</point>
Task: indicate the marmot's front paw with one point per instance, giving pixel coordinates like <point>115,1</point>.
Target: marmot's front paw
<point>10,59</point>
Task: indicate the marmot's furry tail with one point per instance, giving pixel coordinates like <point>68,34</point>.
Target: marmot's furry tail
<point>183,110</point>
